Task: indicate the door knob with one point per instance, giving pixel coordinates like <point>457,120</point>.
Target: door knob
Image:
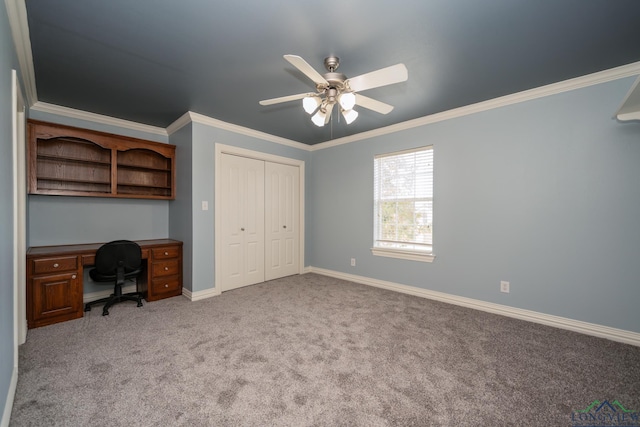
<point>284,226</point>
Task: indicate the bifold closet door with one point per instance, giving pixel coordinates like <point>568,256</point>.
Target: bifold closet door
<point>282,220</point>
<point>242,221</point>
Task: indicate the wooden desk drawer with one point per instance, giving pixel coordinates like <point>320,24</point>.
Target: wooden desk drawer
<point>166,268</point>
<point>55,265</point>
<point>160,286</point>
<point>168,252</point>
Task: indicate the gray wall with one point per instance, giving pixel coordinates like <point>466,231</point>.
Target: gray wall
<point>8,62</point>
<point>544,194</point>
<point>181,209</point>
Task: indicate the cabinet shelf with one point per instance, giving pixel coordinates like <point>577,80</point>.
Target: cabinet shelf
<point>126,184</point>
<point>144,168</point>
<point>69,159</point>
<point>64,160</point>
<point>82,181</point>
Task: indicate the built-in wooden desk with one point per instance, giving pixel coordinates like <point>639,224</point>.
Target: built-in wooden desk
<point>55,274</point>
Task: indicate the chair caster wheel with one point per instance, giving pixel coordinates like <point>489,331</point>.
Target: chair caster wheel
<point>87,308</point>
<point>140,304</point>
<point>105,313</point>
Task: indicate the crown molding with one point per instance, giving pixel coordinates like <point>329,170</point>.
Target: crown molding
<point>179,123</point>
<point>44,107</point>
<point>630,107</point>
<point>191,117</point>
<point>623,71</point>
<point>17,15</point>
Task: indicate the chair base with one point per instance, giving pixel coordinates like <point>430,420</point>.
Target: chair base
<point>113,299</point>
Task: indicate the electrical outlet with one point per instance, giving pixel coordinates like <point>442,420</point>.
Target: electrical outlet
<point>205,205</point>
<point>353,262</point>
<point>504,287</point>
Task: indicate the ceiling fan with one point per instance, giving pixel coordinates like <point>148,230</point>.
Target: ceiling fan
<point>335,88</point>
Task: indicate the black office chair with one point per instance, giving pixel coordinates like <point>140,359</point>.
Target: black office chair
<point>116,262</point>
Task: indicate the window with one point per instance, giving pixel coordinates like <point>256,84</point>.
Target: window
<point>403,204</point>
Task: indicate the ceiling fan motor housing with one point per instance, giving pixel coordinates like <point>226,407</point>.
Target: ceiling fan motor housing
<point>336,80</point>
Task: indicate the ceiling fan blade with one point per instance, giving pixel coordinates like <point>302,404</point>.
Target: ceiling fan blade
<point>372,104</point>
<point>385,76</point>
<point>306,69</point>
<point>285,98</point>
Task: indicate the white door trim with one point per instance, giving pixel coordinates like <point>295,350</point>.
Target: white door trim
<point>229,149</point>
<point>19,236</point>
<point>19,210</point>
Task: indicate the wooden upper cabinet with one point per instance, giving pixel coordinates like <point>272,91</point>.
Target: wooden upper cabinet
<point>69,161</point>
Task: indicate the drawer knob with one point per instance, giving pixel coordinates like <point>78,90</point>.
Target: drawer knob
<point>284,226</point>
<point>166,285</point>
<point>166,253</point>
<point>166,269</point>
<point>73,276</point>
<point>242,229</point>
<point>56,265</point>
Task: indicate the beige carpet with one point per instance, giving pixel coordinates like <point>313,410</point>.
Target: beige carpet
<point>314,351</point>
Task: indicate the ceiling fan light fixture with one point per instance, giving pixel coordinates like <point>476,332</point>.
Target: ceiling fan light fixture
<point>310,104</point>
<point>347,101</point>
<point>318,118</point>
<point>336,89</point>
<point>349,116</point>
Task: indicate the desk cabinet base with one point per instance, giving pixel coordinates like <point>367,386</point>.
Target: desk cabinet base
<point>55,273</point>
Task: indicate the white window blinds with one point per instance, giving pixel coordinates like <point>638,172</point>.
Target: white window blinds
<point>403,200</point>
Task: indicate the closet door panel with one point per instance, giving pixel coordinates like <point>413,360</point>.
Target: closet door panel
<point>253,222</point>
<point>282,219</point>
<point>243,221</point>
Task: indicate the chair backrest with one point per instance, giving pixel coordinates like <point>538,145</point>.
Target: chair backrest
<point>119,253</point>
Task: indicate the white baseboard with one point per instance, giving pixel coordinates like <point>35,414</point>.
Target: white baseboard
<point>8,406</point>
<point>614,334</point>
<point>93,296</point>
<point>193,296</point>
<point>200,295</point>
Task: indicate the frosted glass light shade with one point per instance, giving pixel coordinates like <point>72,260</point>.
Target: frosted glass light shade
<point>349,116</point>
<point>348,101</point>
<point>319,118</point>
<point>310,104</point>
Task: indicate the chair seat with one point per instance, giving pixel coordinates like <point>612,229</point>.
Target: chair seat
<point>96,276</point>
<point>116,262</point>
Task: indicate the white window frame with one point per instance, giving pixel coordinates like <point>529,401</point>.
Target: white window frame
<point>402,252</point>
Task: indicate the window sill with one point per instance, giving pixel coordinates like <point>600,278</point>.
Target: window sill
<point>404,254</point>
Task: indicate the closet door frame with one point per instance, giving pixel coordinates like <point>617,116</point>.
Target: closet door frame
<point>221,149</point>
